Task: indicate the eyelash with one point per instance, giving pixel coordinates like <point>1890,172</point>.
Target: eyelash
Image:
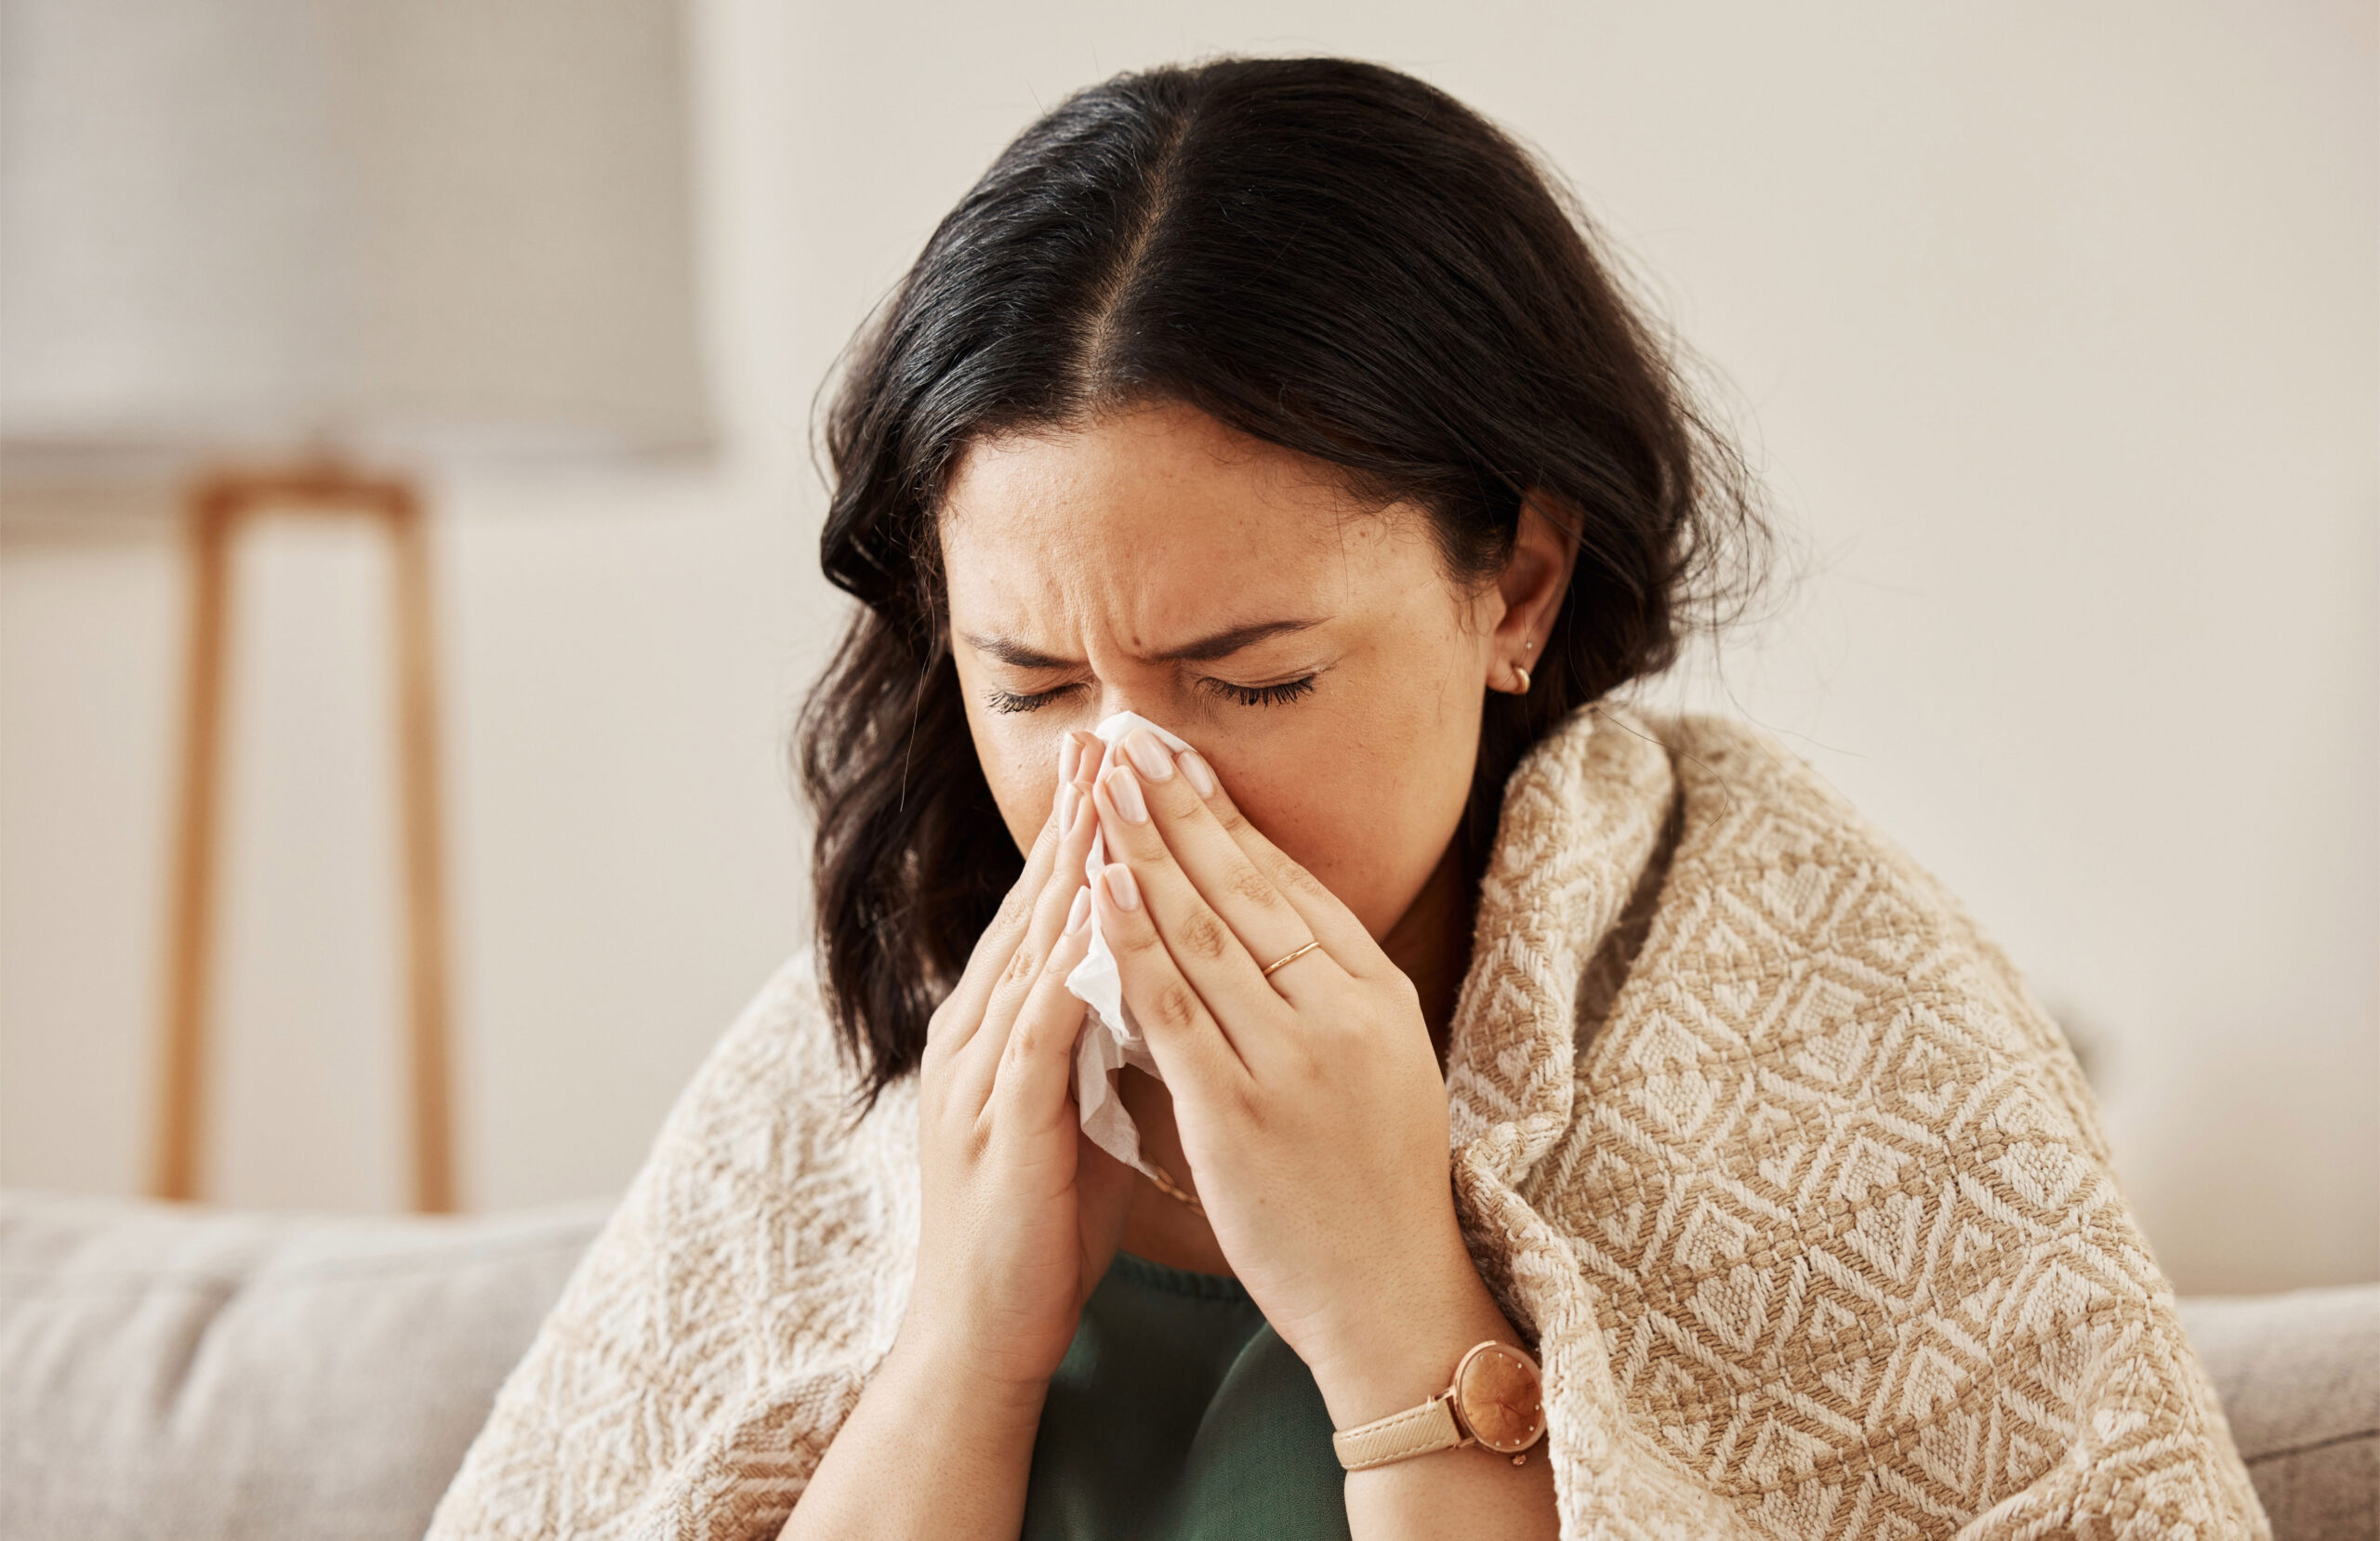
<point>1263,696</point>
<point>1245,695</point>
<point>1009,701</point>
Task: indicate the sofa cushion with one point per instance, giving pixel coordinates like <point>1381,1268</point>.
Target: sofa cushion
<point>196,1374</point>
<point>2299,1374</point>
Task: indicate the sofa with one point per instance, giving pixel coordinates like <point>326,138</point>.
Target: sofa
<point>195,1374</point>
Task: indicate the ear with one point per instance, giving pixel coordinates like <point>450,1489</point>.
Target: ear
<point>1534,579</point>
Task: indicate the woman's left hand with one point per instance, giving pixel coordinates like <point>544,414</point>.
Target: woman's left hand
<point>1310,1102</point>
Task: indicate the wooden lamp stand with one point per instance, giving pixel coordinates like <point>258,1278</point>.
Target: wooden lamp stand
<point>218,503</point>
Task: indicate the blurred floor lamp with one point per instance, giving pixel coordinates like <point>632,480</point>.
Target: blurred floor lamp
<point>298,254</point>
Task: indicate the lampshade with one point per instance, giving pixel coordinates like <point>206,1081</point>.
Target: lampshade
<point>445,228</point>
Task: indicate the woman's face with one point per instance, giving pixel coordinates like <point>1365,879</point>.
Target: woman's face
<point>1313,650</point>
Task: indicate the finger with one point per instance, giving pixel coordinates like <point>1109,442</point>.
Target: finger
<point>1335,926</point>
<point>1205,949</point>
<point>1029,1090</point>
<point>1098,757</point>
<point>1078,760</point>
<point>1191,1046</point>
<point>978,1053</point>
<point>956,1019</point>
<point>1224,873</point>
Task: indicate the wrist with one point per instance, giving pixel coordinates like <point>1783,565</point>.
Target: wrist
<point>927,1409</point>
<point>950,1369</point>
<point>1400,1356</point>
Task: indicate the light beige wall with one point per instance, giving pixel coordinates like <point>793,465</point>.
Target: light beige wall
<point>2056,333</point>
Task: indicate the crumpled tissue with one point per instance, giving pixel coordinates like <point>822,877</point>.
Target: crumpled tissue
<point>1111,1039</point>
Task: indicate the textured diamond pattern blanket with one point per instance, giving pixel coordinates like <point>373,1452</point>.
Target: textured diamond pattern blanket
<point>1798,1192</point>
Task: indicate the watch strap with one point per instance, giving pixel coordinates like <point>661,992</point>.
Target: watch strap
<point>1400,1436</point>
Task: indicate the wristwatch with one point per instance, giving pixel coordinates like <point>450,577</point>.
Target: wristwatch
<point>1497,1400</point>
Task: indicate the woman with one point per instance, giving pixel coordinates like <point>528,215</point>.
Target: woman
<point>1282,403</point>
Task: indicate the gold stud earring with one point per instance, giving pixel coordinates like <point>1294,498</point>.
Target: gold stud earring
<point>1523,674</point>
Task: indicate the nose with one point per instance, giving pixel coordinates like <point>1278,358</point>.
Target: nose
<point>1109,701</point>
<point>1112,699</point>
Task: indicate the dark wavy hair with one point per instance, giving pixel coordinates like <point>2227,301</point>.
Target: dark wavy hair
<point>1324,254</point>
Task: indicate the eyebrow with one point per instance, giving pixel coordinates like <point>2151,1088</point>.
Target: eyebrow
<point>1205,649</point>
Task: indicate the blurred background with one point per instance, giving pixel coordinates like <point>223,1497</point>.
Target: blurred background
<point>2053,329</point>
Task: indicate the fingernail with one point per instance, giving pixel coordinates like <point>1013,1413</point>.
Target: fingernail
<point>1149,756</point>
<point>1124,893</point>
<point>1080,913</point>
<point>1126,794</point>
<point>1068,796</point>
<point>1193,767</point>
<point>1069,758</point>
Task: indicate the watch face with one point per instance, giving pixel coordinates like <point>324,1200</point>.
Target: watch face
<point>1501,1398</point>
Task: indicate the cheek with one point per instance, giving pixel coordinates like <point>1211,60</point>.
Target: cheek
<point>1369,823</point>
<point>1019,756</point>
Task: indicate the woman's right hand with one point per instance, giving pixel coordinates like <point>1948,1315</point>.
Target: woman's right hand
<point>1021,1215</point>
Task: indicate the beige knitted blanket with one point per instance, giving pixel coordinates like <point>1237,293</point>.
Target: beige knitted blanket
<point>1800,1194</point>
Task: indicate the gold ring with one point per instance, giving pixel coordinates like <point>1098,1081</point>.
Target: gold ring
<point>1281,963</point>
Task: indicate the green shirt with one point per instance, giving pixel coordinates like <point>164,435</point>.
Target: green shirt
<point>1178,1415</point>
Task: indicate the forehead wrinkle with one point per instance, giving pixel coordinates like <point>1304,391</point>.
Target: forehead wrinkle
<point>1270,531</point>
<point>1069,612</point>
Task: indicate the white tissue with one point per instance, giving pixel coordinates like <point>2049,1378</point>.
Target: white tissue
<point>1111,1039</point>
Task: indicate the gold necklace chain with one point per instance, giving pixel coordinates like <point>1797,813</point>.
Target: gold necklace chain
<point>1166,1185</point>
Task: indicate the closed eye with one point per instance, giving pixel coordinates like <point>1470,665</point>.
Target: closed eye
<point>1012,701</point>
<point>1278,695</point>
<point>1263,695</point>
